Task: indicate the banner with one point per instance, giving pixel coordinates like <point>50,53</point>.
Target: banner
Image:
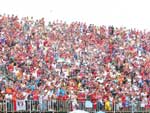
<point>88,104</point>
<point>20,105</point>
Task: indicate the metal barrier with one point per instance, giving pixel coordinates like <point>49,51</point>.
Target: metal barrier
<point>66,106</point>
<point>34,106</point>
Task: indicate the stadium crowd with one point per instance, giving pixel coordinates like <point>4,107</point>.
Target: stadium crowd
<point>73,61</point>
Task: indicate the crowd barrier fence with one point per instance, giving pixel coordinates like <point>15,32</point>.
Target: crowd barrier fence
<point>59,106</point>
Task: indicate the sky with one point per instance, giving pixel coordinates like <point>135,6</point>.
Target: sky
<point>120,13</point>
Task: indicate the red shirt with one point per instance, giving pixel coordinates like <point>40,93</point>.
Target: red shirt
<point>81,97</point>
<point>93,98</point>
<point>45,42</point>
<point>123,98</point>
<point>35,97</point>
<point>65,97</point>
<point>105,97</point>
<point>10,67</point>
<point>39,72</point>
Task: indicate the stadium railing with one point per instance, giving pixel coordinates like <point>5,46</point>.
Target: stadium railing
<point>59,106</point>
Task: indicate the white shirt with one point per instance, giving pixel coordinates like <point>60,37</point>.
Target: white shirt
<point>8,96</point>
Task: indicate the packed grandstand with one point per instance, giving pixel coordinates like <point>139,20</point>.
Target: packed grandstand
<point>74,61</point>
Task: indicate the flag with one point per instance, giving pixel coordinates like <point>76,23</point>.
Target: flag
<point>20,105</point>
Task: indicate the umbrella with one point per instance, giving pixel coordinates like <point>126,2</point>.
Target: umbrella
<point>78,111</point>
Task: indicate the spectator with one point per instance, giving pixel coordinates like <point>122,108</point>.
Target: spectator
<point>35,56</point>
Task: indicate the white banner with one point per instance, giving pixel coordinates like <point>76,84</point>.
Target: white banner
<point>20,105</point>
<point>88,104</point>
